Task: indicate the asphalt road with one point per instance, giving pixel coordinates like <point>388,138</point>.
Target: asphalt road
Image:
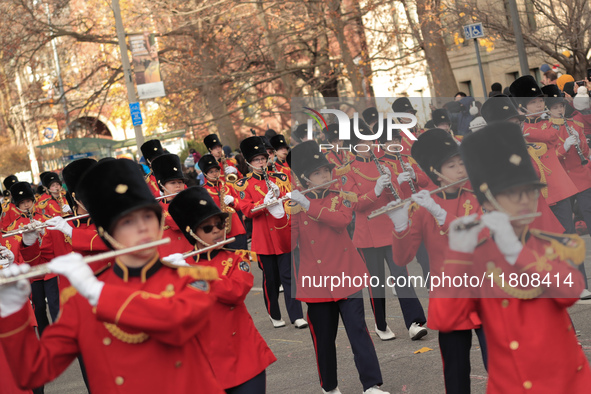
<point>403,370</point>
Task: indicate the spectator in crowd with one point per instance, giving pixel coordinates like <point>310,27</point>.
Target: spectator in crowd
<point>549,78</point>
<point>459,95</point>
<point>495,89</point>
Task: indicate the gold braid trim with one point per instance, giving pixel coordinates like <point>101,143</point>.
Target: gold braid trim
<point>333,203</point>
<point>126,337</point>
<point>199,272</point>
<point>66,294</point>
<point>534,154</point>
<point>367,178</point>
<point>349,196</point>
<point>495,271</point>
<point>343,169</point>
<point>571,248</point>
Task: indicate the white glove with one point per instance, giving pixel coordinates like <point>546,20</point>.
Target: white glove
<point>230,170</point>
<point>14,296</point>
<point>408,168</point>
<point>73,267</point>
<point>382,183</point>
<point>276,209</point>
<point>176,259</point>
<point>59,223</point>
<point>300,199</point>
<point>424,199</point>
<point>228,199</point>
<point>570,142</point>
<point>404,177</point>
<point>464,241</point>
<point>6,254</point>
<point>399,216</point>
<point>503,234</point>
<point>30,237</point>
<point>66,208</point>
<point>275,189</point>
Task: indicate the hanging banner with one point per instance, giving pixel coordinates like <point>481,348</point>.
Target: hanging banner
<point>146,66</point>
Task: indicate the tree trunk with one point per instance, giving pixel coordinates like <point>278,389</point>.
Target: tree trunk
<point>444,81</point>
<point>213,91</point>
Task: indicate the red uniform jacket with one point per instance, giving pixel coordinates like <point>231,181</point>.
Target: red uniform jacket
<point>339,159</point>
<point>214,191</point>
<point>580,174</point>
<point>32,258</point>
<point>423,227</point>
<point>531,342</point>
<point>325,247</point>
<point>395,167</point>
<point>178,241</point>
<point>145,327</point>
<point>406,142</point>
<point>9,214</point>
<point>50,206</point>
<point>269,235</point>
<point>360,177</point>
<point>235,349</point>
<point>560,185</point>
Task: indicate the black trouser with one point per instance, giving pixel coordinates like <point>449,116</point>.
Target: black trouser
<point>412,310</point>
<point>564,213</point>
<point>276,272</point>
<point>40,289</point>
<point>323,318</point>
<point>455,351</point>
<point>256,385</point>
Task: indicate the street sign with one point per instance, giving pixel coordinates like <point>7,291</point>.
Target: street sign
<point>473,31</point>
<point>136,114</point>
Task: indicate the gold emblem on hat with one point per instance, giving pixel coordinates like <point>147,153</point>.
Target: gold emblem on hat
<point>256,147</point>
<point>316,156</point>
<point>21,192</point>
<point>533,89</point>
<point>174,169</point>
<point>155,148</point>
<point>515,159</point>
<point>121,188</point>
<point>506,107</point>
<point>202,202</point>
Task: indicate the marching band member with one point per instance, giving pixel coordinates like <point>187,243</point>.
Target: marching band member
<point>373,238</point>
<point>271,238</point>
<point>47,287</point>
<point>427,220</point>
<point>137,322</point>
<point>573,153</point>
<point>320,218</point>
<point>403,105</point>
<point>150,150</point>
<point>440,118</point>
<point>517,316</point>
<point>228,165</point>
<point>9,211</point>
<point>281,150</point>
<point>53,201</point>
<point>226,198</point>
<point>527,94</point>
<point>63,236</point>
<point>170,178</point>
<point>500,108</point>
<point>235,349</point>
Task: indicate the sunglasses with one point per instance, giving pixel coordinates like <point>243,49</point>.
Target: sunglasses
<point>209,228</point>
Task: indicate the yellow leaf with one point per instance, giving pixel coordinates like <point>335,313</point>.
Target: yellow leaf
<point>423,350</point>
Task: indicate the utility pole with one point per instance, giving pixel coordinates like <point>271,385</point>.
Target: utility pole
<point>28,134</point>
<point>131,96</point>
<point>518,38</point>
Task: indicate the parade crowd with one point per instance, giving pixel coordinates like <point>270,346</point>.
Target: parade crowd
<point>145,271</point>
